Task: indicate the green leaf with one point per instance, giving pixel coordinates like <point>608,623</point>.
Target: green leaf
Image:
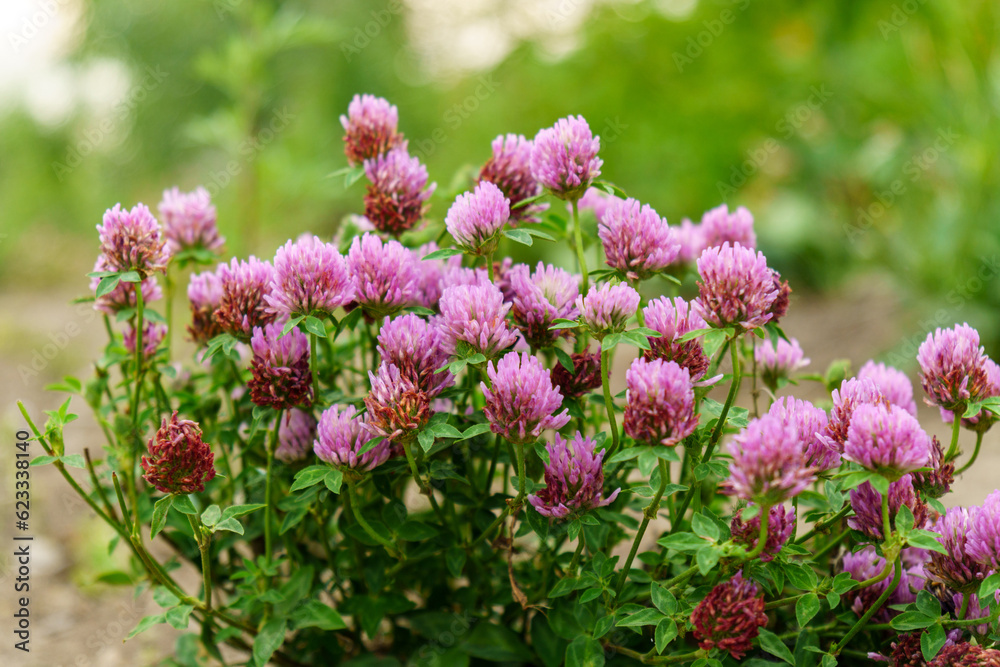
<point>770,643</point>
<point>165,598</point>
<point>115,578</point>
<point>268,640</point>
<point>989,586</point>
<point>443,253</point>
<point>924,539</point>
<point>707,557</point>
<point>527,201</point>
<point>564,324</point>
<point>585,652</point>
<point>145,624</point>
<point>640,618</point>
<point>107,284</point>
<point>292,323</point>
<point>333,480</point>
<point>315,614</point>
<point>178,617</point>
<point>426,440</point>
<point>519,236</point>
<point>663,598</point>
<point>538,233</point>
<point>241,510</point>
<point>610,188</point>
<point>315,326</point>
<point>495,643</point>
<point>416,531</point>
<point>691,335</point>
<point>43,460</point>
<point>159,519</point>
<point>806,608</point>
<point>184,505</point>
<point>232,525</point>
<point>211,515</point>
<point>666,632</point>
<point>904,519</point>
<point>370,445</point>
<point>74,461</point>
<point>309,476</point>
<point>130,277</point>
<point>928,603</point>
<point>455,558</point>
<point>475,429</point>
<point>704,527</point>
<point>682,542</point>
<point>637,339</point>
<point>610,342</point>
<point>446,431</point>
<point>932,641</point>
<point>912,620</point>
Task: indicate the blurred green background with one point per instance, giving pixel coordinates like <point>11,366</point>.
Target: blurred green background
<point>862,135</point>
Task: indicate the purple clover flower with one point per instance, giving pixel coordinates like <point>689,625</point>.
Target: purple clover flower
<point>574,478</point>
<point>510,170</point>
<point>416,348</point>
<point>564,157</point>
<point>893,384</point>
<point>242,307</point>
<point>596,200</point>
<point>476,219</point>
<point>637,241</point>
<point>852,393</point>
<point>310,278</point>
<point>585,376</point>
<point>866,564</point>
<point>540,298</point>
<point>205,294</point>
<point>179,460</point>
<point>132,241</point>
<point>867,505</point>
<point>430,275</point>
<point>983,543</point>
<point>281,376</point>
<point>769,463</point>
<point>385,275</point>
<point>730,617</point>
<point>953,367</point>
<point>189,221</point>
<point>779,361</point>
<point>397,406</point>
<point>719,226</point>
<point>473,319</point>
<point>521,401</point>
<point>809,422</point>
<point>153,334</point>
<point>672,318</point>
<point>296,436</point>
<point>689,236</point>
<point>607,308</point>
<point>984,420</point>
<point>736,287</point>
<point>659,402</point>
<point>780,523</point>
<point>957,569</point>
<point>123,295</point>
<point>340,437</point>
<point>370,128</point>
<point>394,202</point>
<point>888,440</point>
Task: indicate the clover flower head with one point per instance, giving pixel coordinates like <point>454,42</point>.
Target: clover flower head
<point>385,275</point>
<point>342,434</point>
<point>957,569</point>
<point>370,128</point>
<point>596,200</point>
<point>564,157</point>
<point>607,308</point>
<point>984,537</point>
<point>637,241</point>
<point>719,226</point>
<point>280,366</point>
<point>984,420</point>
<point>153,334</point>
<point>189,221</point>
<point>585,376</point>
<point>736,287</point>
<point>396,197</point>
<point>778,361</point>
<point>852,393</point>
<point>179,461</point>
<point>887,439</point>
<point>574,478</point>
<point>132,240</point>
<point>510,170</point>
<point>779,528</point>
<point>310,278</point>
<point>476,218</point>
<point>893,383</point>
<point>867,505</point>
<point>416,347</point>
<point>659,402</point>
<point>769,462</point>
<point>296,436</point>
<point>730,617</point>
<point>123,296</point>
<point>205,295</point>
<point>397,406</point>
<point>473,319</point>
<point>953,367</point>
<point>810,423</point>
<point>866,564</point>
<point>672,318</point>
<point>521,401</point>
<point>242,307</point>
<point>540,298</point>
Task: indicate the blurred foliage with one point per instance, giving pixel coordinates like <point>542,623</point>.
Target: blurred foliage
<point>809,113</point>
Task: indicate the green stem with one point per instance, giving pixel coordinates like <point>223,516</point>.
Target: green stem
<point>829,546</point>
<point>975,454</point>
<point>965,606</point>
<point>493,466</point>
<point>872,610</point>
<point>578,238</point>
<point>609,404</point>
<point>823,525</point>
<point>355,501</point>
<point>765,518</point>
<point>269,509</point>
<point>132,480</point>
<point>313,367</point>
<point>679,580</point>
<point>204,540</point>
<point>734,388</point>
<point>886,525</point>
<point>648,514</point>
<point>956,425</point>
<point>571,570</point>
<point>170,308</point>
<point>489,266</point>
<point>513,505</point>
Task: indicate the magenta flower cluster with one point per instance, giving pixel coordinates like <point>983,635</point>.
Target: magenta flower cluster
<point>736,287</point>
<point>607,308</point>
<point>385,275</point>
<point>953,367</point>
<point>538,299</point>
<point>520,400</point>
<point>659,402</point>
<point>509,169</point>
<point>189,221</point>
<point>473,320</point>
<point>132,241</point>
<point>574,478</point>
<point>370,128</point>
<point>672,318</point>
<point>564,157</point>
<point>637,241</point>
<point>310,278</point>
<point>340,437</point>
<point>888,440</point>
<point>769,462</point>
<point>476,219</point>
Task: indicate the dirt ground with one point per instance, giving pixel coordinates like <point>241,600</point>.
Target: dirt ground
<point>77,622</point>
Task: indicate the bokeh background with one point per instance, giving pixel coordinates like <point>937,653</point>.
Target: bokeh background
<point>862,136</point>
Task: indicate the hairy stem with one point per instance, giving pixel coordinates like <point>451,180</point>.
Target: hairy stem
<point>872,610</point>
<point>955,427</point>
<point>355,501</point>
<point>609,404</point>
<point>648,514</point>
<point>578,238</point>
<point>269,509</point>
<point>975,454</point>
